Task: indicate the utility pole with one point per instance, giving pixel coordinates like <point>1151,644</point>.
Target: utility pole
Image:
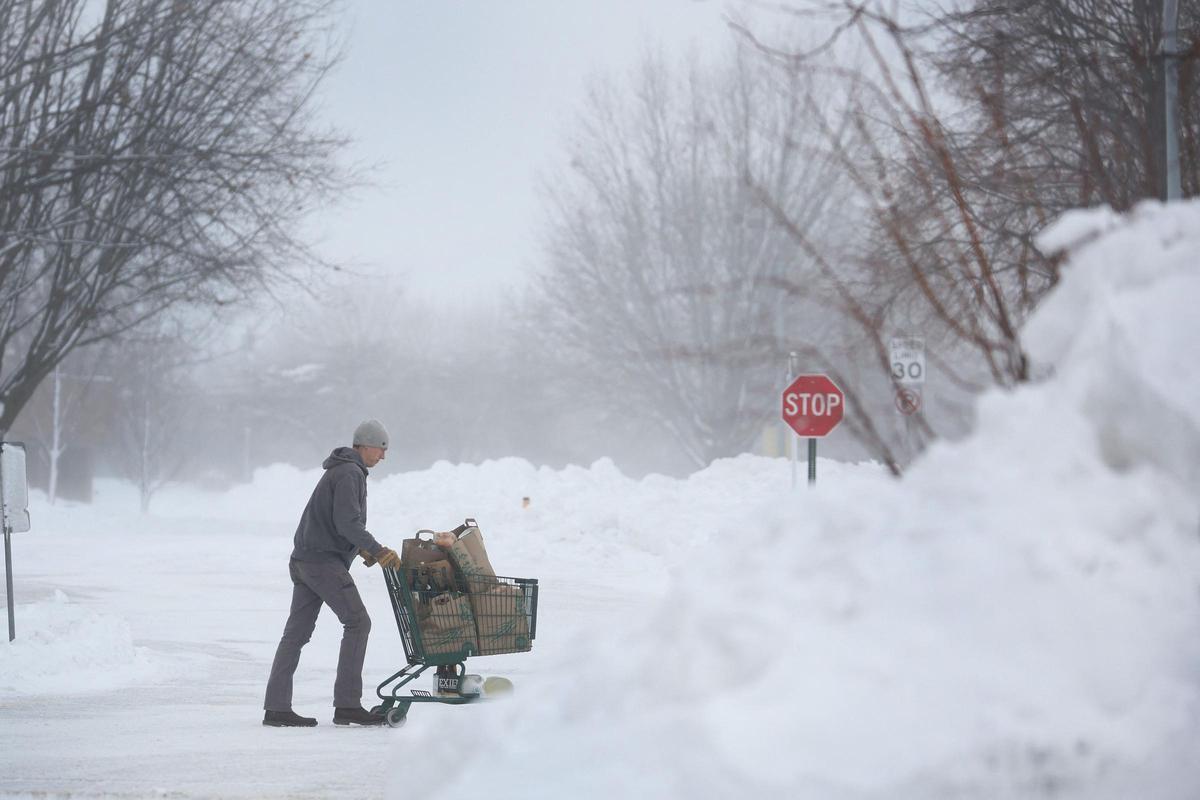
<point>56,445</point>
<point>1170,56</point>
<point>62,408</point>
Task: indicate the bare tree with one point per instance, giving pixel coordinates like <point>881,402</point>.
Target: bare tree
<point>940,251</point>
<point>663,280</point>
<point>152,153</point>
<point>971,130</point>
<point>156,395</point>
<point>1076,85</point>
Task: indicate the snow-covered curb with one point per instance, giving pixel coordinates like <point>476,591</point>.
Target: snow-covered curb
<point>63,648</point>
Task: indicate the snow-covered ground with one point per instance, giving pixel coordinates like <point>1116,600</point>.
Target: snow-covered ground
<point>1018,618</point>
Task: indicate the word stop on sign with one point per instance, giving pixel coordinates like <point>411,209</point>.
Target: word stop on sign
<point>811,404</point>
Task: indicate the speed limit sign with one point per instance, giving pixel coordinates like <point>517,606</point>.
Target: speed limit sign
<point>907,359</point>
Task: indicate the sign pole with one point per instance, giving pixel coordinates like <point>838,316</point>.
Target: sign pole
<point>812,461</point>
<point>8,580</point>
<point>8,576</point>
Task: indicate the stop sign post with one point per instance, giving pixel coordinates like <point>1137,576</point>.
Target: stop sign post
<point>813,405</point>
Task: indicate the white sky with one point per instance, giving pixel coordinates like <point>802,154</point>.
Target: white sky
<point>460,104</point>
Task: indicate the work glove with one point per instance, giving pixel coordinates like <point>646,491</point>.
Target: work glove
<point>387,557</point>
<point>367,558</point>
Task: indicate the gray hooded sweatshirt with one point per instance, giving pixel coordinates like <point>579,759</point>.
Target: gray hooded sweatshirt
<point>334,524</point>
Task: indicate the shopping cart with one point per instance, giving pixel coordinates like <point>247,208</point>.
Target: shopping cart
<point>443,623</point>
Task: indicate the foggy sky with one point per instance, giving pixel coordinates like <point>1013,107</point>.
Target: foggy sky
<point>460,104</point>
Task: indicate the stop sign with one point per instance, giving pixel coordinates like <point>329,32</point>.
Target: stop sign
<point>813,405</point>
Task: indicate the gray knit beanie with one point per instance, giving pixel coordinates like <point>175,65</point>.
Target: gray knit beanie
<point>371,434</point>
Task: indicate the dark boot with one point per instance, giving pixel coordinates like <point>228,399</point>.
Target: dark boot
<point>287,719</point>
<point>356,716</point>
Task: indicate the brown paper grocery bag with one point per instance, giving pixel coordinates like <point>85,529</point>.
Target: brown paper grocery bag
<point>458,641</point>
<point>501,620</point>
<point>447,625</point>
<point>470,556</point>
<point>449,610</point>
<point>417,551</point>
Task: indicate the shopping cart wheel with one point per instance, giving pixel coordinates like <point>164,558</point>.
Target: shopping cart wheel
<point>397,716</point>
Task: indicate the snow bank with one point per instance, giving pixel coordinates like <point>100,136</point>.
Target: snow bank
<point>275,494</point>
<point>62,648</point>
<point>1017,618</point>
<point>592,513</point>
<point>1119,330</point>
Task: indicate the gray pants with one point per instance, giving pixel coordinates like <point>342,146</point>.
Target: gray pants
<point>314,583</point>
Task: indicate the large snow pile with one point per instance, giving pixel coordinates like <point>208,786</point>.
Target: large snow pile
<point>1018,617</point>
<point>64,648</point>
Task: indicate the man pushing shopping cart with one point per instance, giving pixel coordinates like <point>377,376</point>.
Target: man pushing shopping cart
<point>448,602</point>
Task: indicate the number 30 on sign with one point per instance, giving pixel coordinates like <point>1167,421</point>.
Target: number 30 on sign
<point>907,359</point>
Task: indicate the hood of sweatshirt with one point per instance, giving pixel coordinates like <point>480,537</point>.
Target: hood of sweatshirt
<point>344,455</point>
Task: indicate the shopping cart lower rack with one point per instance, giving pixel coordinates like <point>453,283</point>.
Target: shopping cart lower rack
<point>442,623</point>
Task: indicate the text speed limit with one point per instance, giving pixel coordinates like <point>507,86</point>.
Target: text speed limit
<point>907,359</point>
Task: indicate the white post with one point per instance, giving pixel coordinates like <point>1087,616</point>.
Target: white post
<point>793,440</point>
<point>55,437</point>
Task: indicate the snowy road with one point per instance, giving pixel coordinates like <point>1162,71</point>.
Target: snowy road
<point>207,600</point>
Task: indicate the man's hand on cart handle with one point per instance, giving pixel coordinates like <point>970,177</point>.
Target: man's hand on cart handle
<point>367,558</point>
<point>387,558</point>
